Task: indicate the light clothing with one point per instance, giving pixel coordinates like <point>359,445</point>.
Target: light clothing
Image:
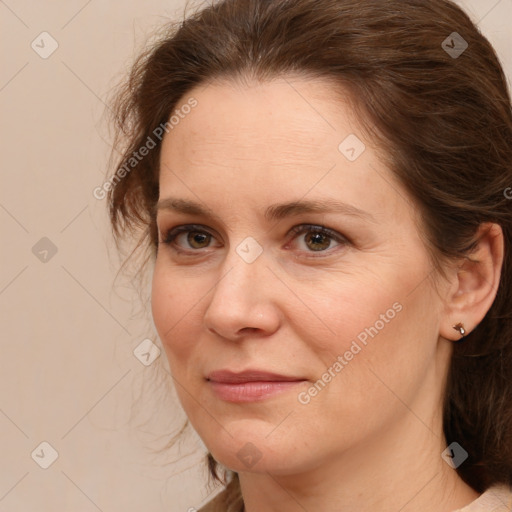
<point>497,498</point>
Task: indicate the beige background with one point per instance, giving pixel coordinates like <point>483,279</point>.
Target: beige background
<point>69,376</point>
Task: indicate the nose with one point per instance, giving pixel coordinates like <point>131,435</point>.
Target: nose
<point>244,301</point>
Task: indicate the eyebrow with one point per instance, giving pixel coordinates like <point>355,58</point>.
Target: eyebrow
<point>274,212</point>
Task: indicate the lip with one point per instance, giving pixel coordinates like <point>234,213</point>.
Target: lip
<point>250,385</point>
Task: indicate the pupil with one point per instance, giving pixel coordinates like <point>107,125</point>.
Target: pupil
<point>196,239</point>
<point>318,238</point>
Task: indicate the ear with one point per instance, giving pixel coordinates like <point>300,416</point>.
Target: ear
<point>475,283</point>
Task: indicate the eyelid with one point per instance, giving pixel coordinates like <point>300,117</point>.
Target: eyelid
<point>319,229</point>
<point>185,228</point>
<point>172,233</point>
<point>314,228</point>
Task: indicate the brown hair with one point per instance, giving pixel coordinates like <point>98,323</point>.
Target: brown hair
<point>444,119</point>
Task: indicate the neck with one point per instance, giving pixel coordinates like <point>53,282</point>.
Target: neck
<point>402,470</point>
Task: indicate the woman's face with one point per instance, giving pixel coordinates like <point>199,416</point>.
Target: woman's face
<point>293,297</point>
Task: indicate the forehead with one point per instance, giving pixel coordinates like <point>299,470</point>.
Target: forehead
<point>262,140</point>
<point>287,112</point>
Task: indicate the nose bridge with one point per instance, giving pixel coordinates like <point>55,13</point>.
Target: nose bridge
<point>242,297</point>
<point>244,264</point>
<point>242,278</point>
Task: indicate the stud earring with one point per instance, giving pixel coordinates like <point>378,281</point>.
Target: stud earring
<point>460,327</point>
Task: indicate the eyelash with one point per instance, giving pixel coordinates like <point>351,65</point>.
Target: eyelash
<point>172,234</point>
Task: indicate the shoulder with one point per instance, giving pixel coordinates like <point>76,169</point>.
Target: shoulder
<point>228,500</point>
<point>215,505</point>
<point>497,498</point>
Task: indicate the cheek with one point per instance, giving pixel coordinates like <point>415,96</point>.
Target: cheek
<point>379,319</point>
<point>175,308</point>
<point>385,336</point>
<point>346,305</point>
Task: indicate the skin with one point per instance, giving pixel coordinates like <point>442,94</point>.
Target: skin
<point>372,438</point>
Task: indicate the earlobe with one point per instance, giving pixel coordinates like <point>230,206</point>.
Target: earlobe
<point>460,329</point>
<point>475,284</point>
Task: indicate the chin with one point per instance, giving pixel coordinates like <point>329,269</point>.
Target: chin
<point>253,459</point>
<point>251,448</point>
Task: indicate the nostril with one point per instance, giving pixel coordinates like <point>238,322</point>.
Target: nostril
<point>249,329</point>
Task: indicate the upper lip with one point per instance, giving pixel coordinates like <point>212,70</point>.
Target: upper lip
<point>230,377</point>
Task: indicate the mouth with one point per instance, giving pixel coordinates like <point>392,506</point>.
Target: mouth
<point>250,385</point>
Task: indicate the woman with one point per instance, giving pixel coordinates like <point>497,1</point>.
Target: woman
<point>323,187</point>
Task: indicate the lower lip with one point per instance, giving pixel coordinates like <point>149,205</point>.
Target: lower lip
<point>251,391</point>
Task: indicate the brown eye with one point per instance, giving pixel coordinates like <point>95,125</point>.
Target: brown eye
<point>188,238</point>
<point>317,241</point>
<point>198,240</point>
